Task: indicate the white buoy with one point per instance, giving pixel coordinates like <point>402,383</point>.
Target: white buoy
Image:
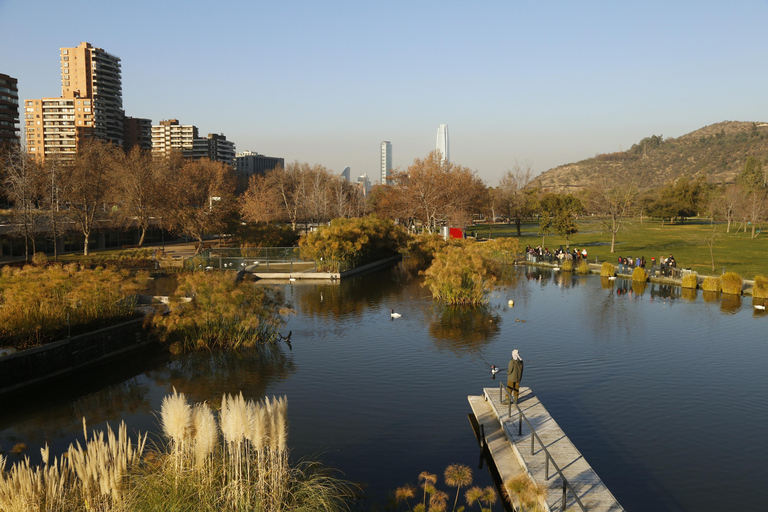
<point>511,303</point>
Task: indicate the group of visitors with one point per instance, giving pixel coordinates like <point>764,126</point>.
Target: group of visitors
<point>540,254</point>
<point>627,265</point>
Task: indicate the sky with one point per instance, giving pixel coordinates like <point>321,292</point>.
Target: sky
<point>537,83</point>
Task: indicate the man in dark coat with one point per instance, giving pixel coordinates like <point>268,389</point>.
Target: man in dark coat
<point>515,374</point>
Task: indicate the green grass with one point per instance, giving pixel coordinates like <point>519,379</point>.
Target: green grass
<point>735,252</point>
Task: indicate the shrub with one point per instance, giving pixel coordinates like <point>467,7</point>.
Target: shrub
<point>460,276</point>
<point>608,269</point>
<point>583,267</point>
<point>690,280</point>
<point>262,234</point>
<point>421,249</point>
<point>711,284</point>
<point>639,274</point>
<point>731,283</point>
<point>221,314</point>
<point>567,265</point>
<point>354,241</point>
<point>760,288</point>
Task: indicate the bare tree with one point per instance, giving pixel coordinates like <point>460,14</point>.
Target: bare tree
<point>84,185</point>
<point>727,204</point>
<point>20,181</point>
<point>50,186</point>
<point>514,199</point>
<point>138,190</point>
<point>613,199</point>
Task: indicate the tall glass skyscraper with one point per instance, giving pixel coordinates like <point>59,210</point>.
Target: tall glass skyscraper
<point>386,160</point>
<point>442,142</point>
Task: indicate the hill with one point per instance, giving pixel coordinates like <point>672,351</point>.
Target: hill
<point>718,152</point>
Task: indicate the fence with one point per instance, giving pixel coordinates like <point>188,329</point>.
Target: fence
<point>535,437</point>
<point>261,260</point>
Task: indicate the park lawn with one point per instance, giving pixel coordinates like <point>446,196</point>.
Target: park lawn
<point>734,252</point>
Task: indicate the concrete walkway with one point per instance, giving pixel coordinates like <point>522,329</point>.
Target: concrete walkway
<point>590,489</point>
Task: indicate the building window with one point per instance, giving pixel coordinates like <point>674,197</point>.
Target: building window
<point>65,58</point>
<point>64,52</point>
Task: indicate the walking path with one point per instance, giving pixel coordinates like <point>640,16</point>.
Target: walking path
<point>503,439</point>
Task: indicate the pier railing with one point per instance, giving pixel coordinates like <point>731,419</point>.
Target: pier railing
<point>535,437</point>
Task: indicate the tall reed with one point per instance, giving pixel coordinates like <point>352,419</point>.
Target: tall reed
<point>711,284</point>
<point>690,280</point>
<point>608,269</point>
<point>639,274</point>
<point>582,267</point>
<point>731,283</point>
<point>760,288</point>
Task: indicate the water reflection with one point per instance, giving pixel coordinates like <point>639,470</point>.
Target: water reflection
<point>463,328</point>
<point>208,375</point>
<point>730,303</point>
<point>689,294</point>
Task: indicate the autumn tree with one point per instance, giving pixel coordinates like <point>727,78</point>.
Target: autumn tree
<point>435,191</point>
<point>201,199</point>
<point>139,189</point>
<point>85,183</point>
<point>613,200</point>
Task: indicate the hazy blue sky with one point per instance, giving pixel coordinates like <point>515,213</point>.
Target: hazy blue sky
<point>325,82</point>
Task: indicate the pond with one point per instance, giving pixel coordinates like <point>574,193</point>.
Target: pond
<point>662,391</point>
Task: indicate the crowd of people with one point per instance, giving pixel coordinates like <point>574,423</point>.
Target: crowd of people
<point>627,265</point>
<point>541,254</point>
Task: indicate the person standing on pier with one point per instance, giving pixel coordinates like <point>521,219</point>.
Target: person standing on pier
<point>515,374</point>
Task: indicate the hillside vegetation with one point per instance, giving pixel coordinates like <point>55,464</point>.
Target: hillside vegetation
<point>717,152</point>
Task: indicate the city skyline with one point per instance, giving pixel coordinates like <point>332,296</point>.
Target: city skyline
<point>540,84</point>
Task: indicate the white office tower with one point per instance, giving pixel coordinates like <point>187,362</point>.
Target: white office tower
<point>386,160</point>
<point>442,142</point>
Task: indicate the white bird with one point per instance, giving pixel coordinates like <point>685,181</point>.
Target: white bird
<point>761,307</point>
<point>494,370</point>
<point>611,278</point>
<point>393,314</point>
<point>291,278</point>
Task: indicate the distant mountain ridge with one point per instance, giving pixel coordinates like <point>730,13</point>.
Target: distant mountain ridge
<point>717,152</point>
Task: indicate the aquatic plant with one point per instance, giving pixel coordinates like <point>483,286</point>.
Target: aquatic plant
<point>566,265</point>
<point>482,496</point>
<point>690,280</point>
<point>711,284</point>
<point>760,287</point>
<point>38,304</point>
<point>582,267</point>
<point>460,276</point>
<point>210,310</point>
<point>608,269</point>
<point>353,241</point>
<point>639,274</point>
<point>528,493</point>
<point>458,476</point>
<point>731,283</point>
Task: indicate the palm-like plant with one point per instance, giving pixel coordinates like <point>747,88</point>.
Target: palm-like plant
<point>428,481</point>
<point>458,476</point>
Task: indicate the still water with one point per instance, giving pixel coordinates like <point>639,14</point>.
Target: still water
<point>663,393</point>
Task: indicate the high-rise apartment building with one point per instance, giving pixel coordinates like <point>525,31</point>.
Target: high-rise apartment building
<point>386,161</point>
<point>215,147</point>
<point>442,142</point>
<point>55,127</point>
<point>92,73</point>
<point>9,110</point>
<point>170,136</point>
<point>137,132</point>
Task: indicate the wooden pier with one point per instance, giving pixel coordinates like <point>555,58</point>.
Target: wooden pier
<point>511,452</point>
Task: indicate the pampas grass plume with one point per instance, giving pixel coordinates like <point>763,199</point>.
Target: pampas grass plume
<point>176,418</point>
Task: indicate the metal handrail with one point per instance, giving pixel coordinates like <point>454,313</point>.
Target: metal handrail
<point>534,436</point>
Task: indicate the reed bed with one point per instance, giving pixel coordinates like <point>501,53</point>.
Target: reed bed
<point>731,283</point>
<point>566,265</point>
<point>607,270</point>
<point>211,310</point>
<point>760,288</point>
<point>690,280</point>
<point>582,267</point>
<point>712,284</point>
<point>461,275</point>
<point>37,303</point>
<point>238,463</point>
